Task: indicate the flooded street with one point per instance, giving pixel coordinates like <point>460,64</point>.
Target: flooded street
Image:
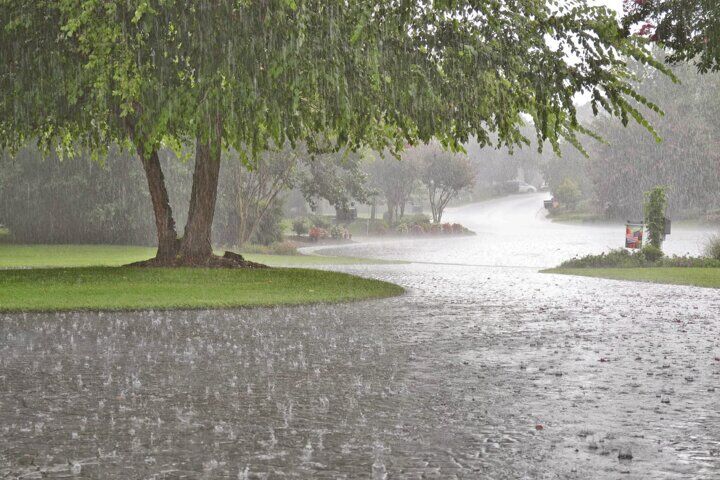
<point>484,369</point>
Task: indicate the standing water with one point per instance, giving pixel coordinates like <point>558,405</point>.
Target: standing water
<point>485,369</point>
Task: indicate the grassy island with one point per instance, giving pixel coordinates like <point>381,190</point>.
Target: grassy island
<point>83,277</point>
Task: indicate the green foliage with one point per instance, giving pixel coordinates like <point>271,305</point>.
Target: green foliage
<point>269,230</point>
<point>276,248</point>
<point>652,253</point>
<point>712,247</point>
<point>300,226</point>
<point>655,204</point>
<point>614,258</point>
<point>84,74</point>
<point>337,178</point>
<point>444,174</point>
<point>75,200</point>
<point>395,179</point>
<point>689,29</point>
<point>417,218</point>
<point>320,222</point>
<point>632,162</point>
<point>372,73</point>
<point>568,193</point>
<point>649,256</point>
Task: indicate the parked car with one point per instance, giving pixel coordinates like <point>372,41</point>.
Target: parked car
<point>526,188</point>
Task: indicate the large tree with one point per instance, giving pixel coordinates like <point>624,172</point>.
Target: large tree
<point>233,73</point>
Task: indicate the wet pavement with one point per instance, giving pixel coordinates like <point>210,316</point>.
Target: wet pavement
<point>485,369</point>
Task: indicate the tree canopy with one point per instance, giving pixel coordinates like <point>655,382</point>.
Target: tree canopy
<point>246,75</point>
<point>690,29</point>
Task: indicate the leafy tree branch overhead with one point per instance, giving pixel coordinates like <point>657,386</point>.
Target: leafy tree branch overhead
<point>247,75</point>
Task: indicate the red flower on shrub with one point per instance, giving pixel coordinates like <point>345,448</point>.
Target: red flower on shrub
<point>317,233</point>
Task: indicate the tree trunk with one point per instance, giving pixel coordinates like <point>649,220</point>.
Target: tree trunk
<point>390,212</point>
<point>168,243</point>
<point>196,247</point>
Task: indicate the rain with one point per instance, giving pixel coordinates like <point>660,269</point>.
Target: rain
<point>268,260</point>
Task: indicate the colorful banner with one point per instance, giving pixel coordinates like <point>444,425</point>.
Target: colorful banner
<point>634,235</point>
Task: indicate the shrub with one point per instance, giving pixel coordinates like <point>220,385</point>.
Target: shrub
<point>300,226</point>
<point>647,257</point>
<point>402,228</point>
<point>379,227</point>
<point>712,247</point>
<point>420,218</point>
<point>417,229</point>
<point>320,222</point>
<point>284,248</point>
<point>614,258</point>
<point>317,233</point>
<point>269,229</point>
<point>277,248</point>
<point>697,262</point>
<point>336,232</point>
<point>652,253</point>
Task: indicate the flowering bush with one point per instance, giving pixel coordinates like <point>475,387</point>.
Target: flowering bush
<point>317,233</point>
<point>338,232</point>
<point>418,229</point>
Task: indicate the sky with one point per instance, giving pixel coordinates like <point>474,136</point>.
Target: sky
<point>614,4</point>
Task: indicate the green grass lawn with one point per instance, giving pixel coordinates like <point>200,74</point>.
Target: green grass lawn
<point>37,256</point>
<point>90,277</point>
<point>700,277</point>
<point>124,288</point>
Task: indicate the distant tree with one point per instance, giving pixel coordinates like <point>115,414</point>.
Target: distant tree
<point>257,189</point>
<point>568,193</point>
<point>630,162</point>
<point>395,179</point>
<point>444,174</point>
<point>689,29</point>
<point>77,200</point>
<point>337,178</point>
<point>246,75</point>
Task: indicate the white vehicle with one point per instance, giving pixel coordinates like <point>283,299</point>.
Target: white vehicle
<point>526,188</point>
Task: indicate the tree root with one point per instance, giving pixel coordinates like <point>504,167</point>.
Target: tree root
<point>228,260</point>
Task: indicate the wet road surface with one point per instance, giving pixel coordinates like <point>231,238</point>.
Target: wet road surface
<point>485,369</point>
